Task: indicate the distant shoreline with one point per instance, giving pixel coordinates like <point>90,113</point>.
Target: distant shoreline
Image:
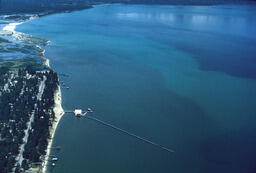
<point>69,8</point>
<point>42,10</point>
<point>184,3</point>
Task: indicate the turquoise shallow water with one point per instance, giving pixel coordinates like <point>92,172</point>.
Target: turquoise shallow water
<point>182,76</point>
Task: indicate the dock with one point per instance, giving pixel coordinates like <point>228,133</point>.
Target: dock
<point>81,113</point>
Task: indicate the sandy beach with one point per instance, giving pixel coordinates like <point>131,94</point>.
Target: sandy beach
<point>58,110</point>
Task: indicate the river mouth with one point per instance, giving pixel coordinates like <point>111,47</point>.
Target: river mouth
<point>140,68</point>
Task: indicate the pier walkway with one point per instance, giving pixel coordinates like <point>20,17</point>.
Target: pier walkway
<point>130,134</point>
<point>80,113</point>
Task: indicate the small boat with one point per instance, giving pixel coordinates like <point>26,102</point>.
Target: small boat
<point>89,110</point>
<point>54,159</point>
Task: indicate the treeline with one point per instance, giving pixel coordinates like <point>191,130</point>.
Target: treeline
<point>35,6</point>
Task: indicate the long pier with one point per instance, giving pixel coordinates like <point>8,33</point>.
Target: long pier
<point>68,111</point>
<point>130,134</point>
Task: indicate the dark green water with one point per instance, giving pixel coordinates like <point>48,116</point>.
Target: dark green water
<point>182,76</point>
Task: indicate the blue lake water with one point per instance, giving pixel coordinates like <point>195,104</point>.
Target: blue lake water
<point>181,76</point>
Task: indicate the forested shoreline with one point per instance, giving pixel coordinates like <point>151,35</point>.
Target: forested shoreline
<point>19,101</point>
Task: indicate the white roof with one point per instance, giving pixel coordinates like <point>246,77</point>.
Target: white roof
<point>78,111</point>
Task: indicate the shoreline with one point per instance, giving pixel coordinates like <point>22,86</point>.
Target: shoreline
<point>59,112</point>
<point>57,108</point>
